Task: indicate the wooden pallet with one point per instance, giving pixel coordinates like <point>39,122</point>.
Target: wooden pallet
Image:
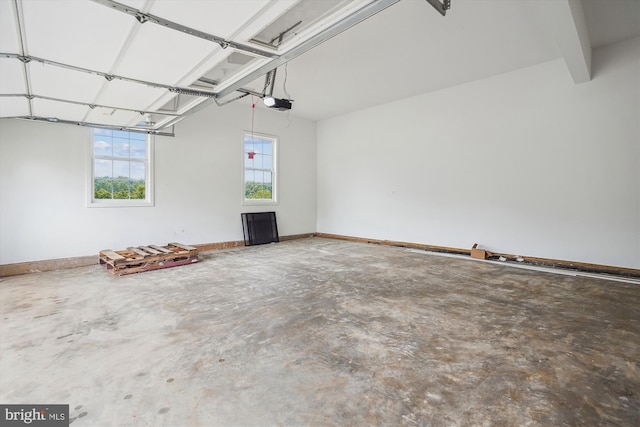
<point>146,258</point>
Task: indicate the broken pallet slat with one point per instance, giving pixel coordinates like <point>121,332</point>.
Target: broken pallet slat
<point>185,247</point>
<point>138,251</point>
<point>146,258</point>
<point>111,254</point>
<point>161,249</point>
<point>149,250</point>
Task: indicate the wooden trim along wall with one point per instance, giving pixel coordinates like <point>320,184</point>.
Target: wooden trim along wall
<point>83,261</point>
<point>236,243</point>
<point>46,265</point>
<point>535,261</point>
<point>63,263</point>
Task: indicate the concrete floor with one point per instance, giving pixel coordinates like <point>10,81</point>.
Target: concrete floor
<point>323,332</point>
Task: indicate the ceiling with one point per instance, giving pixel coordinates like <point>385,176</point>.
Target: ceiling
<point>408,49</point>
<point>146,64</point>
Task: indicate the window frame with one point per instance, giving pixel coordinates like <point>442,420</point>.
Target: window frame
<point>274,170</point>
<point>148,201</point>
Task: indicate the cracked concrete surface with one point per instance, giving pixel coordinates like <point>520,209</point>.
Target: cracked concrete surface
<point>323,332</point>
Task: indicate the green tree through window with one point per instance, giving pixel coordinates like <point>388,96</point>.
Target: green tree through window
<point>259,167</point>
<point>120,162</point>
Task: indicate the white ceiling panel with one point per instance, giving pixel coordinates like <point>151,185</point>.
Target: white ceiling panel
<point>14,106</point>
<point>266,17</point>
<point>59,110</point>
<point>9,33</point>
<point>110,117</point>
<point>161,55</point>
<point>298,18</point>
<point>12,72</point>
<point>80,33</point>
<point>221,18</point>
<point>231,65</point>
<point>47,80</point>
<point>220,55</point>
<point>132,95</point>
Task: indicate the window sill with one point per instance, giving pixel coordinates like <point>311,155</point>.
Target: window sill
<point>259,202</point>
<point>120,204</point>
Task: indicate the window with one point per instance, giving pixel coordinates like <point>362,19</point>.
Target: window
<point>121,169</point>
<point>259,183</point>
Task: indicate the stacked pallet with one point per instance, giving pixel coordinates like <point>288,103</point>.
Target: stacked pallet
<point>145,258</point>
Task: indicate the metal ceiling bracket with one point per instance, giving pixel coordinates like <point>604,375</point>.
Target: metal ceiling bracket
<point>147,17</point>
<point>441,7</point>
<point>193,92</point>
<point>273,81</point>
<point>241,90</point>
<point>19,15</point>
<point>141,18</point>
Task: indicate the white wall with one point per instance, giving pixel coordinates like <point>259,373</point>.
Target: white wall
<point>197,189</point>
<point>525,163</point>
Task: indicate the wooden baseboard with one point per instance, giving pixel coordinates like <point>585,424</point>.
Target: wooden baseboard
<point>65,263</point>
<point>237,243</point>
<point>83,261</point>
<point>432,248</point>
<point>47,265</point>
<point>537,261</point>
<point>296,236</point>
<point>218,245</point>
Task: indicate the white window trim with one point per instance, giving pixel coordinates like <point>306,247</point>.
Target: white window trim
<point>122,203</point>
<point>274,184</point>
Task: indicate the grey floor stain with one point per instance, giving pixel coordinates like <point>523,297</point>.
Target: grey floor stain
<point>78,407</point>
<point>163,410</point>
<point>45,315</point>
<point>83,414</point>
<point>128,396</point>
<point>170,380</point>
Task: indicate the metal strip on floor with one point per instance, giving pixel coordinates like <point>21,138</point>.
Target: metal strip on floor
<point>573,273</point>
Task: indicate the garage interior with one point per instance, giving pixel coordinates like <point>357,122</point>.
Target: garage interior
<point>400,134</point>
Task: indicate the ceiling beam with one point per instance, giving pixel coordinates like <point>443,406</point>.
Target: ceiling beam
<point>570,31</point>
